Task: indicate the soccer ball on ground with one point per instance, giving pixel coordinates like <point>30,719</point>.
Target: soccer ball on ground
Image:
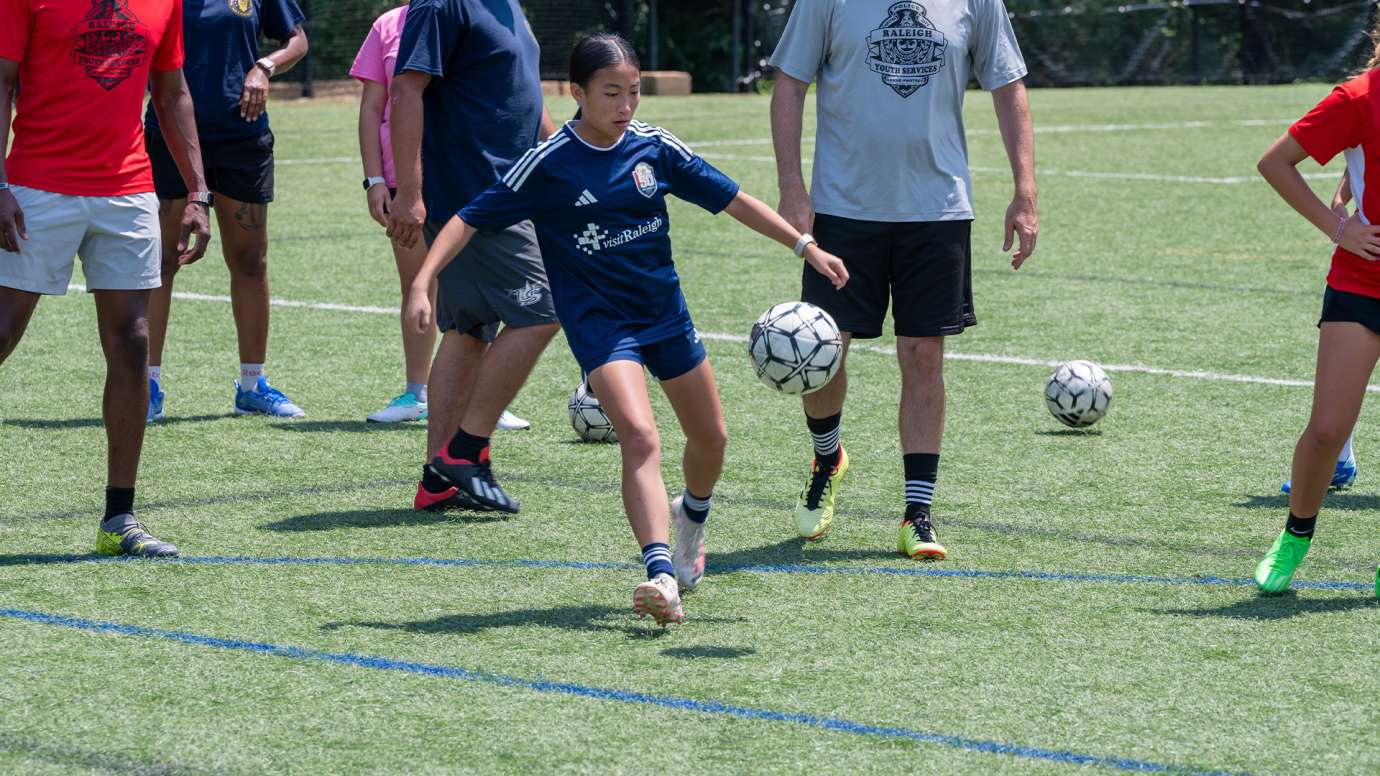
<point>795,348</point>
<point>1078,393</point>
<point>588,418</point>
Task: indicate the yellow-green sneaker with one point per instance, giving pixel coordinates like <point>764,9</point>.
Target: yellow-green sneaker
<point>814,507</point>
<point>917,539</point>
<point>1276,570</point>
<point>123,535</point>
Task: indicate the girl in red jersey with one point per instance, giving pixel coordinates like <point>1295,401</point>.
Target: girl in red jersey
<point>1346,122</point>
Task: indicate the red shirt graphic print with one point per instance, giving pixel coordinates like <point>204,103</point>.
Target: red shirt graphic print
<point>84,70</point>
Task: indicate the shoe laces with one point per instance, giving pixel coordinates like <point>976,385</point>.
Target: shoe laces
<point>819,482</point>
<point>274,396</point>
<point>403,400</point>
<point>921,526</point>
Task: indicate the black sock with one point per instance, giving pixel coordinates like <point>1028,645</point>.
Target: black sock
<point>118,501</point>
<point>466,446</point>
<point>432,481</point>
<point>1302,527</point>
<point>825,434</point>
<point>922,470</point>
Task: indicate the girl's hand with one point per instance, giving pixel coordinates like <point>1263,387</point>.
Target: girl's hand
<point>417,311</point>
<point>828,265</point>
<point>379,203</point>
<point>254,96</point>
<point>1362,240</point>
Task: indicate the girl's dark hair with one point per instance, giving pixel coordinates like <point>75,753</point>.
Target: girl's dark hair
<point>596,52</point>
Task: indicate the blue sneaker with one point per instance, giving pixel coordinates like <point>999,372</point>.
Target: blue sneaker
<point>155,402</point>
<point>265,400</point>
<point>1343,478</point>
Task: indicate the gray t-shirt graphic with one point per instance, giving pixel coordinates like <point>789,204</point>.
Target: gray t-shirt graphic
<point>891,76</point>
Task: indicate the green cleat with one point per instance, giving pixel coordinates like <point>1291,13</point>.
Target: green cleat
<point>917,539</point>
<point>1276,569</point>
<point>123,535</point>
<point>814,508</point>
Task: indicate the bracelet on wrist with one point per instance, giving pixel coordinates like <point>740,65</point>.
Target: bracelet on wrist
<point>1337,237</point>
<point>805,241</point>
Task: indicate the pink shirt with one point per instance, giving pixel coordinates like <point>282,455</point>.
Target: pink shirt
<point>375,62</point>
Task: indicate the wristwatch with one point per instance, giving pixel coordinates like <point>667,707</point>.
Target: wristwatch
<point>370,183</point>
<point>267,65</point>
<point>4,186</point>
<point>202,198</point>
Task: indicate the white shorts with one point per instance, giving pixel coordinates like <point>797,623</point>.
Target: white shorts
<point>117,238</point>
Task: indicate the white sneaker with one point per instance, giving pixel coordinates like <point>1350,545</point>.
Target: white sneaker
<point>510,422</point>
<point>403,408</point>
<point>660,598</point>
<point>689,556</point>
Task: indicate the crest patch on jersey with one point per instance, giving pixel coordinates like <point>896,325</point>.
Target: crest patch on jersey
<point>906,49</point>
<point>110,43</point>
<point>645,179</point>
<point>241,7</point>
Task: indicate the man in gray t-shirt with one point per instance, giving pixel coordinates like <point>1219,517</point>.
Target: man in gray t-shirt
<point>890,196</point>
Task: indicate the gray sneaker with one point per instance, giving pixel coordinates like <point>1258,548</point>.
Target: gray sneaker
<point>123,535</point>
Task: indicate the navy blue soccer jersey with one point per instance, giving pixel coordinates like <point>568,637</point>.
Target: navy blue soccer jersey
<point>601,220</point>
<point>221,38</point>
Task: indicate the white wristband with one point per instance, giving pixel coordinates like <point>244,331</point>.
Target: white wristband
<point>805,241</point>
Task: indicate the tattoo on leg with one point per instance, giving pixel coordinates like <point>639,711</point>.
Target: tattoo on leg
<point>250,217</point>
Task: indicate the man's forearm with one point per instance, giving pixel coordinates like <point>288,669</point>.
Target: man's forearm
<point>787,118</point>
<point>548,127</point>
<point>177,120</point>
<point>6,95</point>
<point>1017,134</point>
<point>406,127</point>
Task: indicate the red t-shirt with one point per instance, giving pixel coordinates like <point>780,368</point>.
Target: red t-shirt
<point>83,72</point>
<point>1348,121</point>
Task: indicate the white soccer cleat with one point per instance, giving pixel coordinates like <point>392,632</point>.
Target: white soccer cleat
<point>401,409</point>
<point>689,556</point>
<point>510,422</point>
<point>660,598</point>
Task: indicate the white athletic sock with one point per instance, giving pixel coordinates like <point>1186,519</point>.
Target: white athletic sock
<point>1346,449</point>
<point>418,390</point>
<point>156,374</point>
<point>249,376</point>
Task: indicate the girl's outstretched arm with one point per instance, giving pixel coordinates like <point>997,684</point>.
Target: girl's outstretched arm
<point>755,215</point>
<point>452,239</point>
<point>1279,166</point>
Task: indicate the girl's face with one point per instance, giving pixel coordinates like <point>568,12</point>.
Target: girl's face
<point>609,100</point>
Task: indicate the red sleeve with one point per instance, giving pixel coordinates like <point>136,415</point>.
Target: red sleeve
<point>14,33</point>
<point>1331,127</point>
<point>169,55</point>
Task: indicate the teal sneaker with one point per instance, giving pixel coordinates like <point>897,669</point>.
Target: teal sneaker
<point>123,535</point>
<point>264,399</point>
<point>403,408</point>
<point>1276,570</point>
<point>155,402</point>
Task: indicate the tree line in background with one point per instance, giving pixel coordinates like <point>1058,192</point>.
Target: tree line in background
<point>724,44</point>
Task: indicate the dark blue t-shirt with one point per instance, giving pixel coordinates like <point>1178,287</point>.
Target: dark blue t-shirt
<point>483,105</point>
<point>221,39</point>
<point>605,236</point>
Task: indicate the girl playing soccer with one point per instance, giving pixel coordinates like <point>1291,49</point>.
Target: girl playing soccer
<point>1347,121</point>
<point>596,192</point>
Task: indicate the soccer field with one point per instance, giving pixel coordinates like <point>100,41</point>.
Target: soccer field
<point>1095,610</point>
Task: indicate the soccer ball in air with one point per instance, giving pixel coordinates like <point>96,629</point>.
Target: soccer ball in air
<point>795,348</point>
<point>1078,393</point>
<point>588,418</point>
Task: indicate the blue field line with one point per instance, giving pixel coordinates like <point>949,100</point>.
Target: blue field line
<point>718,568</point>
<point>608,694</point>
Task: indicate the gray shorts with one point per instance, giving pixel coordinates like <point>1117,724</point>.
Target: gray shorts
<point>498,278</point>
<point>117,239</point>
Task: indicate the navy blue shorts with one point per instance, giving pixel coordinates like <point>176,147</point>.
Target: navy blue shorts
<point>666,360</point>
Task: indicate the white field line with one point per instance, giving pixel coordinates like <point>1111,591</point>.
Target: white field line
<point>982,358</point>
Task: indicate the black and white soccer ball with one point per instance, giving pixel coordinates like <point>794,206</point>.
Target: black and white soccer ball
<point>1078,393</point>
<point>588,418</point>
<point>795,348</point>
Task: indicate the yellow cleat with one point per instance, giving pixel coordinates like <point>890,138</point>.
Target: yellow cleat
<point>814,508</point>
<point>917,539</point>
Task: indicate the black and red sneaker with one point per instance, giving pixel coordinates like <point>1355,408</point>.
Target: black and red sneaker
<point>448,498</point>
<point>475,479</point>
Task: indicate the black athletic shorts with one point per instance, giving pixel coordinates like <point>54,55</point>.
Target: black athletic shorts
<point>924,268</point>
<point>1346,307</point>
<point>498,278</point>
<point>239,169</point>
